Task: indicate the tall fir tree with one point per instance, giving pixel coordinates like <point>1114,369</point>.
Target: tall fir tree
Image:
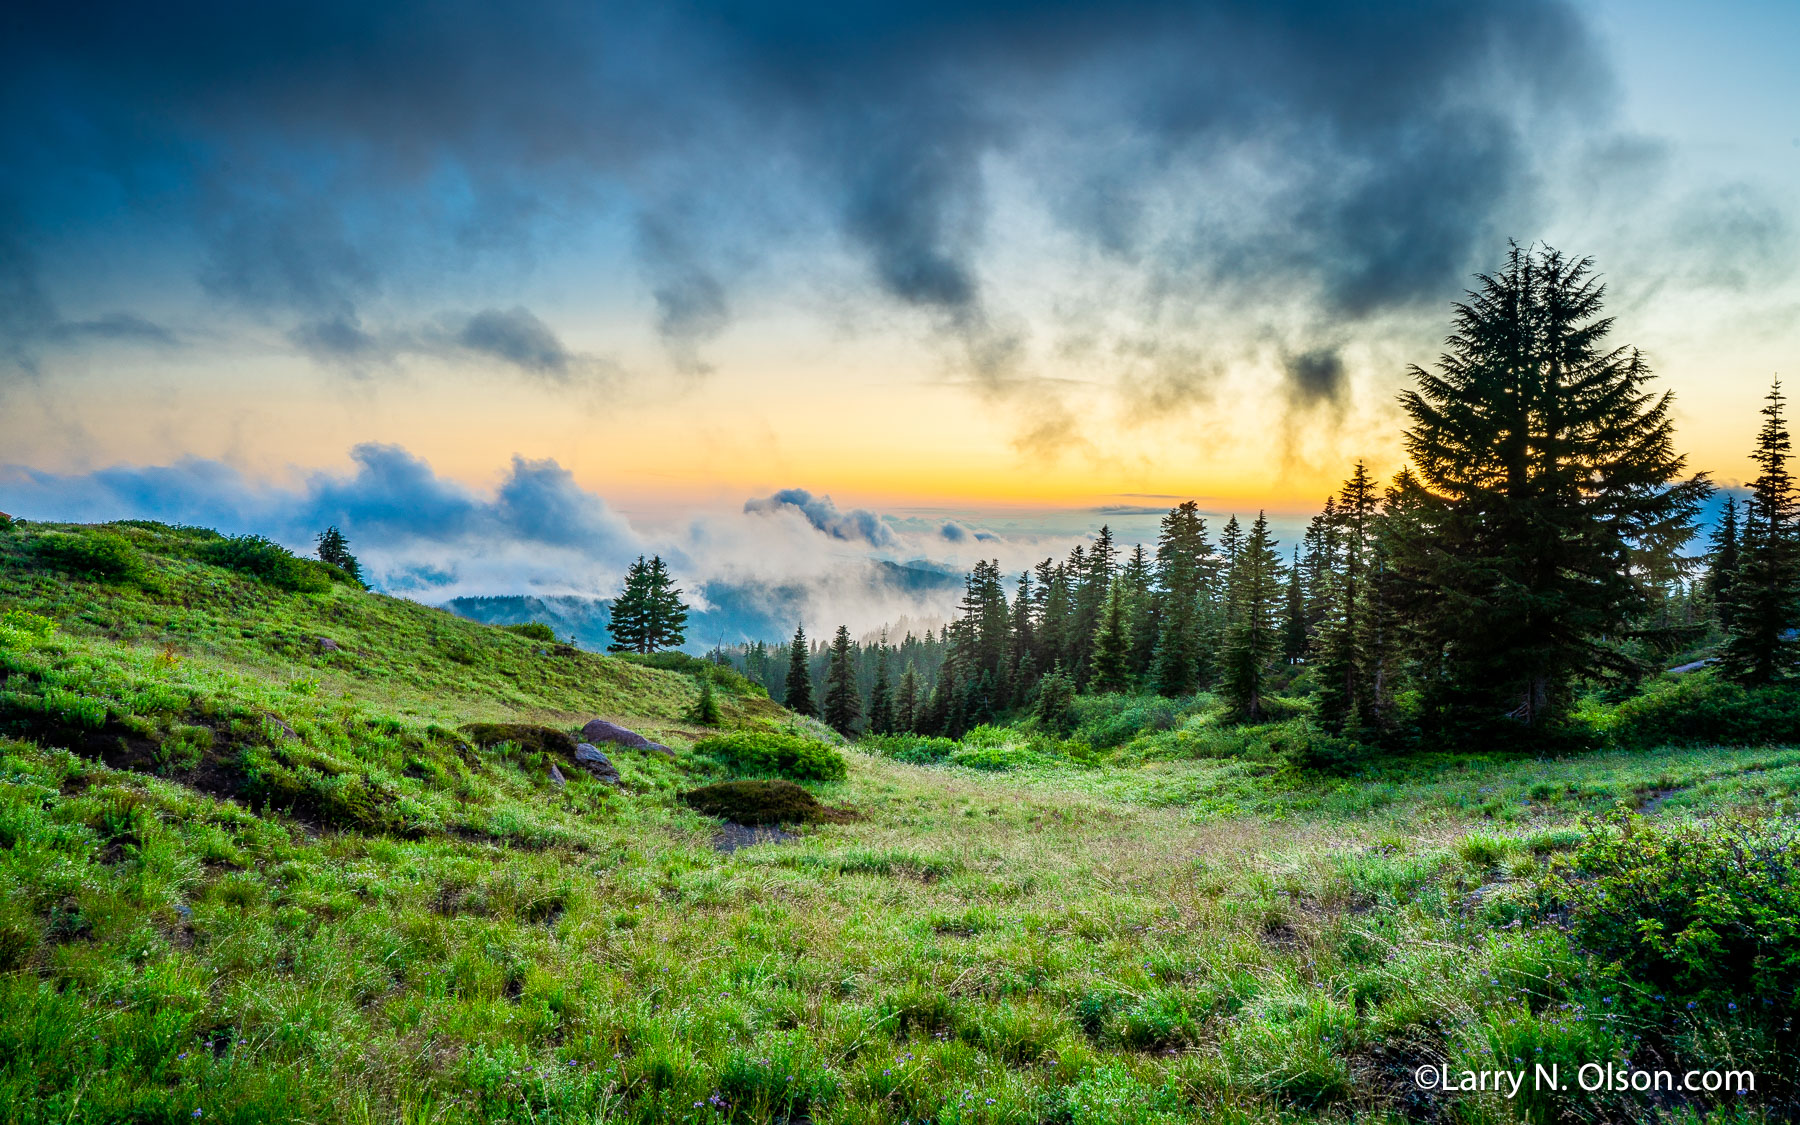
<point>799,695</point>
<point>1138,576</point>
<point>1722,564</point>
<point>1548,464</point>
<point>1765,594</point>
<point>1253,634</point>
<point>1111,667</point>
<point>1183,560</point>
<point>1293,615</point>
<point>1344,668</point>
<point>648,615</point>
<point>843,706</point>
<point>906,701</point>
<point>881,693</point>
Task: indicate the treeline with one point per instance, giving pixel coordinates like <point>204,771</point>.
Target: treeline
<point>1533,549</point>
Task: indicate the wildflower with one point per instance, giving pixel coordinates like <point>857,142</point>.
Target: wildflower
<point>1733,1007</point>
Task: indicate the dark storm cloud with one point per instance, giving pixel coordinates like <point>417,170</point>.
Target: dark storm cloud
<point>1315,376</point>
<point>1367,155</point>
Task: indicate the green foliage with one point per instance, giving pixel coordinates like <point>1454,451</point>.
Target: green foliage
<point>799,695</point>
<point>22,630</point>
<point>269,562</point>
<point>706,707</point>
<point>766,754</point>
<point>1105,721</point>
<point>1055,706</point>
<point>334,551</point>
<point>100,555</point>
<point>532,630</point>
<point>1700,709</point>
<point>914,749</point>
<point>843,705</point>
<point>648,614</point>
<point>756,803</point>
<point>527,737</point>
<point>1707,913</point>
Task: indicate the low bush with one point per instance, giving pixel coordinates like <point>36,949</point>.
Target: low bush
<point>271,563</point>
<point>532,739</point>
<point>1701,914</point>
<point>1105,721</point>
<point>103,555</point>
<point>761,753</point>
<point>726,677</point>
<point>1700,709</point>
<point>756,803</point>
<point>532,630</point>
<point>916,749</point>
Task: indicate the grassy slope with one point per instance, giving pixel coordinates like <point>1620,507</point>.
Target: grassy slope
<point>1158,941</point>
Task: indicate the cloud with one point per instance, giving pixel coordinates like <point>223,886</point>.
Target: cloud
<point>517,337</point>
<point>1368,156</point>
<point>858,525</point>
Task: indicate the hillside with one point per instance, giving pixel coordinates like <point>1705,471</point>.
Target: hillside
<point>260,865</point>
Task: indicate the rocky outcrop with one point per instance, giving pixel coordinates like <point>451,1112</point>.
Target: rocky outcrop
<point>589,758</point>
<point>599,730</point>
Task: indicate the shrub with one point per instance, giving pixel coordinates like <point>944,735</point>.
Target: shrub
<point>21,630</point>
<point>1700,709</point>
<point>533,739</point>
<point>774,755</point>
<point>1105,721</point>
<point>1701,913</point>
<point>532,630</point>
<point>102,555</point>
<point>915,749</point>
<point>756,803</point>
<point>706,708</point>
<point>269,562</point>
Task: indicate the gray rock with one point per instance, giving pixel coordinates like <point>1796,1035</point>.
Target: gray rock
<point>556,777</point>
<point>589,758</point>
<point>599,730</point>
<point>326,644</point>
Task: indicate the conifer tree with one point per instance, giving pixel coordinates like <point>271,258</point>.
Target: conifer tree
<point>843,706</point>
<point>1345,670</point>
<point>1137,577</point>
<point>1548,463</point>
<point>1253,637</point>
<point>1765,594</point>
<point>629,616</point>
<point>335,549</point>
<point>1111,668</point>
<point>706,708</point>
<point>1293,620</point>
<point>648,615</point>
<point>799,695</point>
<point>1722,564</point>
<point>1055,709</point>
<point>881,699</point>
<point>1231,541</point>
<point>906,701</point>
<point>1183,559</point>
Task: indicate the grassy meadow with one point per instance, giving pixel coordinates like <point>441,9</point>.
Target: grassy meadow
<point>250,876</point>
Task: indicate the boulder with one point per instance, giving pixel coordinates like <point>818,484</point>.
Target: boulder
<point>599,730</point>
<point>556,777</point>
<point>589,758</point>
<point>326,644</point>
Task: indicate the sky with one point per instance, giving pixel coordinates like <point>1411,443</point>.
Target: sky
<point>576,280</point>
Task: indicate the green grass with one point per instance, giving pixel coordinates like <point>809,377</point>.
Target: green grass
<point>303,896</point>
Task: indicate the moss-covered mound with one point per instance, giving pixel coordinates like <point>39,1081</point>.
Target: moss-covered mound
<point>533,739</point>
<point>756,803</point>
